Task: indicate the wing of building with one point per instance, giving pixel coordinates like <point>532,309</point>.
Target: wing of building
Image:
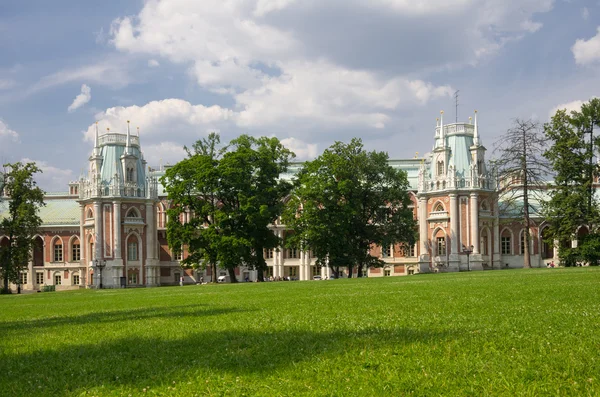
<point>111,226</point>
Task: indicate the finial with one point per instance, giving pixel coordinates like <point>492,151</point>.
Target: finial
<point>127,142</point>
<point>96,138</point>
<point>107,128</point>
<point>475,131</point>
<point>441,112</point>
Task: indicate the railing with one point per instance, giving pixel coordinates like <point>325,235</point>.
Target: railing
<point>457,128</point>
<point>133,220</point>
<point>119,139</point>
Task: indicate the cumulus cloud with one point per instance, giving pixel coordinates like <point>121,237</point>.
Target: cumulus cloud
<point>81,99</point>
<point>7,133</point>
<point>153,63</point>
<point>52,178</point>
<point>166,152</point>
<point>569,107</point>
<point>172,117</point>
<point>303,150</point>
<point>587,52</point>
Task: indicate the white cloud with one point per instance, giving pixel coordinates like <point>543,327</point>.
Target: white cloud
<point>112,73</point>
<point>303,150</point>
<point>156,119</point>
<point>7,133</point>
<point>153,63</point>
<point>263,7</point>
<point>81,99</point>
<point>587,51</point>
<point>331,95</point>
<point>585,13</point>
<point>569,107</point>
<point>161,153</point>
<point>53,178</point>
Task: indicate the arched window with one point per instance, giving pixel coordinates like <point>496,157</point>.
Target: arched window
<point>160,215</point>
<point>440,167</point>
<point>38,251</point>
<point>438,208</point>
<point>89,214</point>
<point>506,242</point>
<point>57,250</point>
<point>132,248</point>
<point>132,213</point>
<point>75,250</point>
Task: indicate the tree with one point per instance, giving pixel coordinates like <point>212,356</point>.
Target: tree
<point>572,200</point>
<point>234,193</point>
<point>192,184</point>
<point>21,222</point>
<point>346,201</point>
<point>521,169</point>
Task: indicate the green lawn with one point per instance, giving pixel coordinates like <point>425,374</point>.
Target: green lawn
<point>511,332</point>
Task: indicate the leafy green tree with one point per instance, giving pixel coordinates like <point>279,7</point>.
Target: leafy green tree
<point>234,194</point>
<point>346,201</point>
<point>21,222</point>
<point>521,170</point>
<point>192,184</point>
<point>572,200</point>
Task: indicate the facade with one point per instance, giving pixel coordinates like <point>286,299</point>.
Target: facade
<point>116,217</point>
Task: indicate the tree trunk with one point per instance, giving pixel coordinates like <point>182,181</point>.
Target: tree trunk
<point>359,270</point>
<point>527,257</point>
<point>232,276</point>
<point>213,267</point>
<point>350,267</point>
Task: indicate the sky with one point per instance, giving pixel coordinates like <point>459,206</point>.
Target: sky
<point>310,72</point>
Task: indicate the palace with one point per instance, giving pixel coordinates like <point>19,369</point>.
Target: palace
<point>117,217</point>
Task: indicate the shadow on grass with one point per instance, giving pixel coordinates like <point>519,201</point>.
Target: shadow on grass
<point>112,316</point>
<point>137,362</point>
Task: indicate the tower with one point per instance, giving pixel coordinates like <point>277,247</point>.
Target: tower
<point>455,201</point>
<point>117,203</point>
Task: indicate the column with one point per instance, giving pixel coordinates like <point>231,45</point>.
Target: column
<point>422,210</point>
<point>82,248</point>
<point>496,248</point>
<point>454,224</point>
<point>99,242</point>
<point>117,222</point>
<point>150,233</point>
<point>475,222</point>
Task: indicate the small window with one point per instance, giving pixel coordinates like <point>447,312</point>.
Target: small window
<point>293,253</point>
<point>132,251</point>
<point>440,168</point>
<point>316,271</point>
<point>523,243</point>
<point>505,245</point>
<point>179,256</point>
<point>293,271</point>
<point>76,252</point>
<point>58,252</point>
<point>76,279</point>
<point>57,279</point>
<point>39,278</point>
<point>387,272</point>
<point>441,246</point>
<point>410,251</point>
<point>269,254</point>
<point>386,251</point>
<point>439,208</point>
<point>23,278</point>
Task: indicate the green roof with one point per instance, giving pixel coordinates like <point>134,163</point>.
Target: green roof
<point>59,212</point>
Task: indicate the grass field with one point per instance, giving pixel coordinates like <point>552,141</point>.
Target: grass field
<point>512,332</point>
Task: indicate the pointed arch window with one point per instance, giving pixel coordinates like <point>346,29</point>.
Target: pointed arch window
<point>440,167</point>
<point>75,250</point>
<point>438,208</point>
<point>132,249</point>
<point>57,249</point>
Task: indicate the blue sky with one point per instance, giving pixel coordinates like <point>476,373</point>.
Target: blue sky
<point>307,71</point>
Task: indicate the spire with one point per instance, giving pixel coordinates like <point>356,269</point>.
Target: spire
<point>96,146</point>
<point>442,128</point>
<point>127,144</point>
<point>475,132</point>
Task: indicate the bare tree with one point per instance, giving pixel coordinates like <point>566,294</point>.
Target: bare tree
<point>522,173</point>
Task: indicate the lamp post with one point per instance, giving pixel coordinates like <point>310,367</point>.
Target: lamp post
<point>468,250</point>
<point>100,264</point>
